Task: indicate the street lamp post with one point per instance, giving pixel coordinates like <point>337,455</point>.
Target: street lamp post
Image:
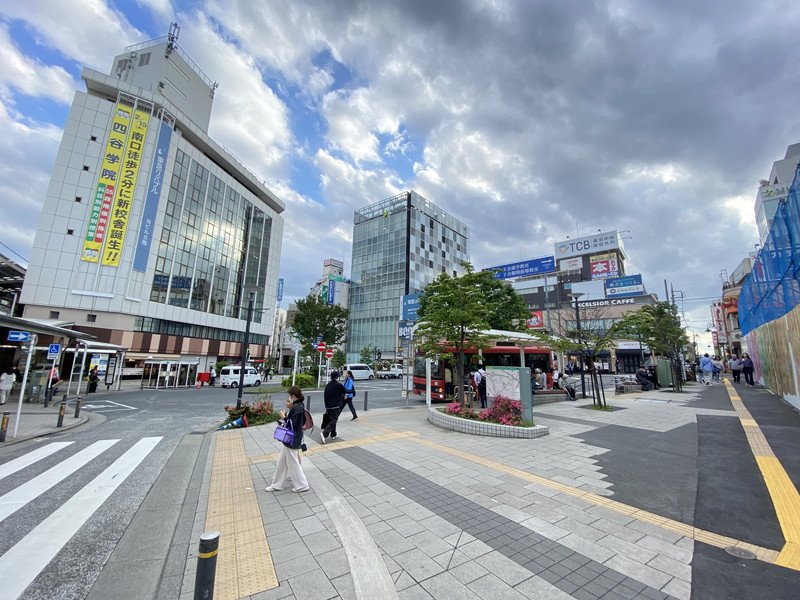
<point>577,295</point>
<point>244,350</point>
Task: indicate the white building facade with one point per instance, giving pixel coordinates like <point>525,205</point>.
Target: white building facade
<point>152,236</point>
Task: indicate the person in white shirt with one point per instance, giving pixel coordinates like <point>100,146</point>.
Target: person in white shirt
<point>7,381</point>
<point>477,378</point>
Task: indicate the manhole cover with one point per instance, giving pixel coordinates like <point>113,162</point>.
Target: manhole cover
<point>740,552</point>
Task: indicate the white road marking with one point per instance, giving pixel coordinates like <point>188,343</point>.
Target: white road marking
<point>28,557</point>
<point>119,404</point>
<point>16,499</point>
<point>20,463</point>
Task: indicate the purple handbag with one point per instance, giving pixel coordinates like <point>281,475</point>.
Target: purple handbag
<point>284,434</point>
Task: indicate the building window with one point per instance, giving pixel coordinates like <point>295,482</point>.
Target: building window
<point>70,231</point>
<point>91,318</point>
<point>85,167</point>
<point>144,59</point>
<point>54,314</point>
<point>93,138</point>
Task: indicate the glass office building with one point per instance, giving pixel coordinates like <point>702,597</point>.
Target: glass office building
<point>399,246</point>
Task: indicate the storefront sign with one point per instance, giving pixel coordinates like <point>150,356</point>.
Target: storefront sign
<point>534,266</point>
<point>585,245</point>
<point>603,265</point>
<point>535,321</point>
<point>570,264</point>
<point>623,287</point>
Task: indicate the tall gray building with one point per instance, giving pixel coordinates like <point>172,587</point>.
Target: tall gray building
<point>399,246</point>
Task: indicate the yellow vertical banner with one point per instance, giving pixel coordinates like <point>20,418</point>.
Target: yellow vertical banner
<point>107,183</point>
<point>129,172</point>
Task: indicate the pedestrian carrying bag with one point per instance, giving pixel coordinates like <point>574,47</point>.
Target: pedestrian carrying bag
<point>284,434</point>
<point>309,422</point>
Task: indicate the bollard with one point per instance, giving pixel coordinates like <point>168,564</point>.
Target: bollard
<point>308,402</point>
<point>48,396</point>
<point>4,426</point>
<point>366,396</point>
<point>61,412</point>
<point>206,566</point>
<point>77,408</point>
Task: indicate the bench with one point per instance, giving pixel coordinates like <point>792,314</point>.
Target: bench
<point>626,385</point>
<point>548,396</point>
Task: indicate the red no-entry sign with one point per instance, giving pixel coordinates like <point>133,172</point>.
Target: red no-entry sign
<point>321,346</point>
<point>329,353</point>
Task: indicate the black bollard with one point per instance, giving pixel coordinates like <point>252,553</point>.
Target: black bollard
<point>308,403</point>
<point>61,412</point>
<point>366,396</point>
<point>206,566</point>
<point>77,408</point>
<point>4,426</point>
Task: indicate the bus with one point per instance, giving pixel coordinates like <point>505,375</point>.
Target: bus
<point>536,357</point>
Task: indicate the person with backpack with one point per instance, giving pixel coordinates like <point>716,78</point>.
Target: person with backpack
<point>349,394</point>
<point>288,466</point>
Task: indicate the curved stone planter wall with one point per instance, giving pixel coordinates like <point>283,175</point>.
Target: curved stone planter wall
<point>445,421</point>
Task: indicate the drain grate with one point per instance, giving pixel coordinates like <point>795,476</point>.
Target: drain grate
<point>740,552</point>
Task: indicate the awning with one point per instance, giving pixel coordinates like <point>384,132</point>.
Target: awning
<point>100,347</point>
<point>151,356</point>
<point>43,327</point>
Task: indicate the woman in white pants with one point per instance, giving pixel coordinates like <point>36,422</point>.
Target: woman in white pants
<point>289,461</point>
<point>7,380</point>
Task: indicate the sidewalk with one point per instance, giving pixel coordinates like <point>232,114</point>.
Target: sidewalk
<point>35,420</point>
<point>401,509</point>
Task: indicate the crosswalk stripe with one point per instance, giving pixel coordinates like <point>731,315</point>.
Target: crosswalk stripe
<point>20,463</point>
<point>25,560</point>
<point>16,499</point>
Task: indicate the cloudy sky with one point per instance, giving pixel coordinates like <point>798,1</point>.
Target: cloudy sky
<point>529,120</point>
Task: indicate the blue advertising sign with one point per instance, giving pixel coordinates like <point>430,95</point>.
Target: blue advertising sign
<point>151,200</point>
<point>331,291</point>
<point>404,329</point>
<point>624,287</point>
<point>535,266</point>
<point>280,289</point>
<point>410,306</point>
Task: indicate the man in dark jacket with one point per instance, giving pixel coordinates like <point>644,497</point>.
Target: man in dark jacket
<point>642,377</point>
<point>334,399</point>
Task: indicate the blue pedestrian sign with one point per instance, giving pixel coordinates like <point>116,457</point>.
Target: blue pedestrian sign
<point>18,336</point>
<point>52,353</point>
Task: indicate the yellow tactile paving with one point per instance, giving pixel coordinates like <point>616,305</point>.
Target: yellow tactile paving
<point>785,497</point>
<point>339,444</point>
<point>713,539</point>
<point>244,562</point>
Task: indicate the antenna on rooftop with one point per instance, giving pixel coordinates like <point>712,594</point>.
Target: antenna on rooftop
<point>172,36</point>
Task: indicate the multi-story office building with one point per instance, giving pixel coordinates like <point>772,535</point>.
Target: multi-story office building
<point>399,246</point>
<point>333,287</point>
<point>152,236</point>
<point>775,189</point>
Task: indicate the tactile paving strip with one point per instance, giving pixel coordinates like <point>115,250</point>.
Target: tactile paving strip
<point>244,561</point>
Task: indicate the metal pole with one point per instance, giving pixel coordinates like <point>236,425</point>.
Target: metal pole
<point>578,326</point>
<point>366,396</point>
<point>31,349</point>
<point>206,566</point>
<point>294,367</point>
<point>245,344</point>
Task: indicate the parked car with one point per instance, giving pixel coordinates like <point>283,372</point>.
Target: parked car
<point>360,371</point>
<point>229,377</point>
<point>394,371</point>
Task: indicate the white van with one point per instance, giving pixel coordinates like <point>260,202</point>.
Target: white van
<point>359,371</point>
<point>229,377</point>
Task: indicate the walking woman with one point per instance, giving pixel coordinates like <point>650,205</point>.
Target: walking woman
<point>289,461</point>
<point>747,369</point>
<point>349,394</point>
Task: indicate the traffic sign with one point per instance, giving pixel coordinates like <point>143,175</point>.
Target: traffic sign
<point>321,347</point>
<point>52,353</point>
<point>18,336</point>
<point>329,353</point>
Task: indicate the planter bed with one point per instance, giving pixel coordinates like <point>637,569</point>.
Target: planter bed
<point>445,421</point>
<point>548,396</point>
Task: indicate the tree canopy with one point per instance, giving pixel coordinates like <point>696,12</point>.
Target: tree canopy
<point>315,319</point>
<point>458,309</point>
<point>657,326</point>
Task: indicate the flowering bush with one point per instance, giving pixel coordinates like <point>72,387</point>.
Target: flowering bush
<point>259,412</point>
<point>503,411</point>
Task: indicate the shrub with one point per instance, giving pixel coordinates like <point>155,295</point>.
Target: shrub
<point>258,412</point>
<point>503,411</point>
<point>302,380</point>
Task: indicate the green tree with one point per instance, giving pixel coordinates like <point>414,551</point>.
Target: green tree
<point>455,310</point>
<point>367,354</point>
<point>339,359</point>
<point>659,327</point>
<point>315,319</point>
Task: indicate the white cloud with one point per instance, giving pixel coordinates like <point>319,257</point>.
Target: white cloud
<point>29,76</point>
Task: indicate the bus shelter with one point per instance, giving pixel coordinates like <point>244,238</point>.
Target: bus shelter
<point>169,374</point>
